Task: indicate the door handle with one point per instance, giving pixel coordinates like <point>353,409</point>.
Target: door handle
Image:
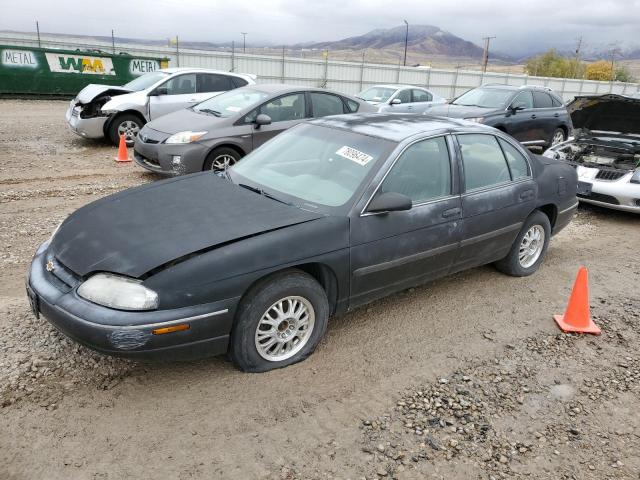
<point>534,116</point>
<point>526,195</point>
<point>451,212</point>
<point>193,99</point>
<point>556,115</point>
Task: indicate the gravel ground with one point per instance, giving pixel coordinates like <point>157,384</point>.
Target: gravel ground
<point>463,378</point>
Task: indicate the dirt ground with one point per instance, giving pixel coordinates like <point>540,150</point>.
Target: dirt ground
<point>463,378</point>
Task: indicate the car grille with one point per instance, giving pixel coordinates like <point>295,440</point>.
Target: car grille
<point>610,174</point>
<point>599,197</point>
<point>146,139</point>
<point>149,161</point>
<point>75,112</point>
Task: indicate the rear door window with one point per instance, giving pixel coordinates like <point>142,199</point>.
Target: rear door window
<point>239,82</point>
<point>324,104</point>
<point>209,82</point>
<point>542,100</point>
<point>517,163</point>
<point>483,161</point>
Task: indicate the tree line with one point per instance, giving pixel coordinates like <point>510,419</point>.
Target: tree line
<point>552,64</point>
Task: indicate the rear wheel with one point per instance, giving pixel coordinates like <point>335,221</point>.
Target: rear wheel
<point>125,124</point>
<point>557,137</point>
<point>279,322</point>
<point>221,158</point>
<point>529,248</point>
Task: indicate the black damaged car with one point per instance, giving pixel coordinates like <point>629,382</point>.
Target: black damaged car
<point>329,215</point>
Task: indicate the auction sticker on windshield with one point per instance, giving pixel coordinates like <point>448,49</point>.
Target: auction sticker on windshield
<point>354,155</point>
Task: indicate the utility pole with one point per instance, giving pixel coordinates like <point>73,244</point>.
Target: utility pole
<point>577,60</point>
<point>244,41</point>
<point>485,55</point>
<point>406,40</point>
<point>38,31</point>
<point>113,42</point>
<point>614,50</point>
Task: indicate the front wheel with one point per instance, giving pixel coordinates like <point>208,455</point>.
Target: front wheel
<point>127,125</point>
<point>221,158</point>
<point>529,248</point>
<point>279,322</point>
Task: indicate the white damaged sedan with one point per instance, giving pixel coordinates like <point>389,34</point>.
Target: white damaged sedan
<point>605,150</point>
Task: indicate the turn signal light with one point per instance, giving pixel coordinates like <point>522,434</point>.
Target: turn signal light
<point>171,329</point>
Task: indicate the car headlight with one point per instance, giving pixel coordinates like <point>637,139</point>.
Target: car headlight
<point>475,119</point>
<point>184,137</point>
<point>635,178</point>
<point>115,291</point>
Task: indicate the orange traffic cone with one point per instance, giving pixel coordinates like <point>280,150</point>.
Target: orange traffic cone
<point>123,154</point>
<point>577,318</point>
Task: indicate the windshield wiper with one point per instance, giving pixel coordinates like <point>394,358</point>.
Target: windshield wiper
<point>263,193</point>
<point>208,110</point>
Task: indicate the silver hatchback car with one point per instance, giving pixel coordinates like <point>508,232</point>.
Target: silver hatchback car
<point>110,111</point>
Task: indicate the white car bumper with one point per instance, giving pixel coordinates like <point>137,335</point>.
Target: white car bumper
<point>618,194</point>
<point>85,127</point>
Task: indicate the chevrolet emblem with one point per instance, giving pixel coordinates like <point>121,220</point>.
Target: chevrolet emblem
<point>50,266</point>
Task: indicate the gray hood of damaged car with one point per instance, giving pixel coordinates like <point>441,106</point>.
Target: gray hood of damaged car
<point>607,113</point>
<point>143,228</point>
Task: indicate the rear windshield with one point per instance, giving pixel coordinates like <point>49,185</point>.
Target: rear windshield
<point>230,103</point>
<point>484,97</point>
<point>145,81</point>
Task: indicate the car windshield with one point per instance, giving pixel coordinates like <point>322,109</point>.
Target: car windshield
<point>319,165</point>
<point>230,103</point>
<point>484,97</point>
<point>376,94</point>
<point>145,81</point>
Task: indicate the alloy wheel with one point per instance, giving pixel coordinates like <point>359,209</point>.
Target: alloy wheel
<point>222,162</point>
<point>285,328</point>
<point>531,246</point>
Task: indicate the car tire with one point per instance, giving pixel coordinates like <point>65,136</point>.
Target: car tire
<point>126,123</point>
<point>271,317</point>
<point>529,248</point>
<point>557,137</point>
<point>220,157</point>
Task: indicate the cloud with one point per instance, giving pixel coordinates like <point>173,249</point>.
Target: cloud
<point>520,26</point>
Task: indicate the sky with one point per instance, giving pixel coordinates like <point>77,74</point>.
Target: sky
<point>520,26</point>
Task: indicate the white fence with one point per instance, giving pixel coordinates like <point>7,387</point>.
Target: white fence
<point>346,77</point>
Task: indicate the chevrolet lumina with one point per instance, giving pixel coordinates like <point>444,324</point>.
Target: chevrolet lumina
<point>108,111</point>
<point>605,150</point>
<point>331,214</point>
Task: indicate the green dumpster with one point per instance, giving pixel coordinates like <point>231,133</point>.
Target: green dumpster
<point>48,71</point>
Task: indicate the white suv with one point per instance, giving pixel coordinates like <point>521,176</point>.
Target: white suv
<point>110,111</point>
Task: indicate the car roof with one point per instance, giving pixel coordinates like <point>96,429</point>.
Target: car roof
<point>173,70</point>
<point>397,126</point>
<point>275,88</point>
<point>395,86</point>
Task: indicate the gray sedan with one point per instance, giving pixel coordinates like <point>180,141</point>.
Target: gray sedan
<point>218,132</point>
<point>400,98</point>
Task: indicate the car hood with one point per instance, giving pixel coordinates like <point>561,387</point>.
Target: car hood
<point>458,111</point>
<point>143,228</point>
<point>608,113</point>
<point>88,93</point>
<point>186,119</point>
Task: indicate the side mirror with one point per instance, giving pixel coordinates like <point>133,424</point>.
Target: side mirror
<point>262,119</point>
<point>396,101</point>
<point>158,92</point>
<point>389,202</point>
<point>517,107</point>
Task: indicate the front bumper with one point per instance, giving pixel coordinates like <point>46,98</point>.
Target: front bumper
<point>163,159</point>
<point>129,334</point>
<point>617,194</point>
<point>84,127</point>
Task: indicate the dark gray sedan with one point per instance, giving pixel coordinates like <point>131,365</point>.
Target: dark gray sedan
<point>332,214</point>
<point>220,131</point>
